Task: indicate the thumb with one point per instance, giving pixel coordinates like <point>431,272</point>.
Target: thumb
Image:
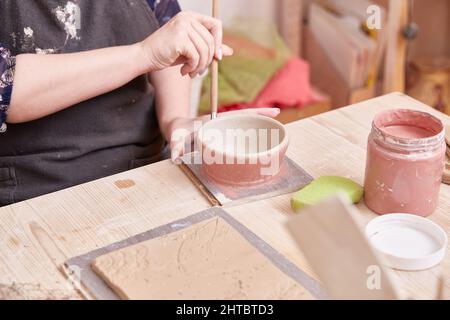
<point>176,151</point>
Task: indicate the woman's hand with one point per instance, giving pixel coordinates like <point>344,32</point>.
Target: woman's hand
<point>183,131</point>
<point>44,84</point>
<point>189,39</point>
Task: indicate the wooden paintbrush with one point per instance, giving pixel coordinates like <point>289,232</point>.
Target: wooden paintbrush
<point>214,70</point>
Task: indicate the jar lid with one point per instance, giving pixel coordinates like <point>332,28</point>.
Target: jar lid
<point>407,242</point>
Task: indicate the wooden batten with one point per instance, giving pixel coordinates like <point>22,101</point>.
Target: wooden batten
<point>338,251</point>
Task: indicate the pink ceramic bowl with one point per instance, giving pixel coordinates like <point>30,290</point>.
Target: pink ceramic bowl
<point>242,149</point>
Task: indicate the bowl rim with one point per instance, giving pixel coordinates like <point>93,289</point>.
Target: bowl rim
<point>279,147</point>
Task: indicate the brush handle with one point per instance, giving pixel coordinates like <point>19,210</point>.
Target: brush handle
<point>214,71</point>
<point>214,88</point>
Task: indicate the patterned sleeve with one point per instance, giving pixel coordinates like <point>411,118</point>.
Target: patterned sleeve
<point>164,9</point>
<point>7,65</point>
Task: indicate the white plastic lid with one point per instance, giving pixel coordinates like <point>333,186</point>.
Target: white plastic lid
<point>407,242</point>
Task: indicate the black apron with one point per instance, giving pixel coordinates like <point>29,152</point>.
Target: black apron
<point>111,133</point>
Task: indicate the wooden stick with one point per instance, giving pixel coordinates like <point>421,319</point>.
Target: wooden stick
<point>340,254</point>
<point>214,71</point>
<point>291,24</point>
<point>395,61</point>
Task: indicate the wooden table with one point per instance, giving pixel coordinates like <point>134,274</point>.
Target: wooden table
<point>36,236</point>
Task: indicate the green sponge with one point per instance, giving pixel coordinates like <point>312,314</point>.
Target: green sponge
<point>325,187</point>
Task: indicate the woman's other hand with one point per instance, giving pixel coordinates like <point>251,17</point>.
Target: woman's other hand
<point>189,39</point>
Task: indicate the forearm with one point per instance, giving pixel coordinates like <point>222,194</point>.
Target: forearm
<point>46,84</point>
<point>173,97</point>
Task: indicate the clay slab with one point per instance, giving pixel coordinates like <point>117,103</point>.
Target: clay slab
<point>302,286</point>
<point>290,179</point>
<point>207,260</point>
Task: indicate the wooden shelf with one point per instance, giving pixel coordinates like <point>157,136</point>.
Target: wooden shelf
<point>323,104</point>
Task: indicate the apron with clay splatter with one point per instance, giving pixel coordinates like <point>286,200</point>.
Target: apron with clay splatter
<point>97,138</point>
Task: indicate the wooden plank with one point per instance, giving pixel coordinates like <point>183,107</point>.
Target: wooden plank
<point>291,24</point>
<point>334,244</point>
<point>395,64</point>
<point>321,105</point>
<point>325,76</point>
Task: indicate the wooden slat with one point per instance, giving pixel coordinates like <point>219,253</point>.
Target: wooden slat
<point>395,64</point>
<point>335,245</point>
<point>291,23</point>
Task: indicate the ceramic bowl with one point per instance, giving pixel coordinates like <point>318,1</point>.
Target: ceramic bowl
<point>242,149</point>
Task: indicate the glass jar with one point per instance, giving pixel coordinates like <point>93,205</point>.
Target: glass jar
<point>405,162</point>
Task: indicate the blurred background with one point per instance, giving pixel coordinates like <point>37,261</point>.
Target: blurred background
<point>311,56</point>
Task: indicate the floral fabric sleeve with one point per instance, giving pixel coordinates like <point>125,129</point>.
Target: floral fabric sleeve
<point>7,65</point>
<point>164,9</point>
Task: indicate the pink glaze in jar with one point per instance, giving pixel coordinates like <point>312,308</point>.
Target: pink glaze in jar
<point>405,162</point>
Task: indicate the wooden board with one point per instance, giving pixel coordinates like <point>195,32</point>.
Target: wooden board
<point>325,76</point>
<point>290,18</point>
<point>395,60</point>
<point>38,235</point>
<point>336,247</point>
<point>322,104</point>
<point>96,288</point>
